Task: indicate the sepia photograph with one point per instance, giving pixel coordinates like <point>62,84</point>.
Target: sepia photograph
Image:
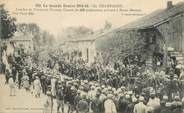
<point>92,56</point>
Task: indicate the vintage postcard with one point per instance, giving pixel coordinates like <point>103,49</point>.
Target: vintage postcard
<point>91,56</point>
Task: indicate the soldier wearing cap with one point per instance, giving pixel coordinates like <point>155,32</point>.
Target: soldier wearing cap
<point>91,95</point>
<point>153,103</point>
<point>25,81</point>
<point>67,91</point>
<point>168,107</point>
<point>109,105</point>
<point>162,108</point>
<point>116,98</point>
<point>103,86</point>
<point>97,104</point>
<point>20,74</point>
<point>123,103</point>
<point>48,105</point>
<point>77,99</point>
<point>14,73</point>
<point>76,85</point>
<point>29,71</point>
<point>176,105</point>
<point>86,86</point>
<point>182,100</point>
<point>43,83</point>
<point>60,97</point>
<point>131,105</point>
<point>83,105</point>
<point>103,95</point>
<point>47,81</point>
<point>82,91</point>
<point>140,107</point>
<point>71,98</point>
<point>53,86</point>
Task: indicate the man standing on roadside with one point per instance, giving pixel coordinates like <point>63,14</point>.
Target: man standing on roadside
<point>11,85</point>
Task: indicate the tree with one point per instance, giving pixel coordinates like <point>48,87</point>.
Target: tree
<point>7,24</point>
<point>40,37</point>
<point>32,29</point>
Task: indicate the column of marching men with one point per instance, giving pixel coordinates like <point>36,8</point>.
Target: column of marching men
<point>89,94</point>
<point>83,96</point>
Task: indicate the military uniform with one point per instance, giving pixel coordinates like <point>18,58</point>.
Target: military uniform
<point>96,105</point>
<point>83,106</point>
<point>60,99</point>
<point>48,105</point>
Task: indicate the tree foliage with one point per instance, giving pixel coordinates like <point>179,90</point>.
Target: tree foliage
<point>30,28</point>
<point>119,45</point>
<point>40,37</point>
<point>7,24</point>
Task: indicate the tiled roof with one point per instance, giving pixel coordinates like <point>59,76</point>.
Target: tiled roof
<point>154,18</point>
<point>92,37</point>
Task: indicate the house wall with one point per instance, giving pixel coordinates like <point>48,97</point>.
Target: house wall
<point>87,48</point>
<point>117,46</point>
<point>173,32</point>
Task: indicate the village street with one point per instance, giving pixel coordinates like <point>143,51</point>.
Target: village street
<point>23,102</point>
<point>128,60</point>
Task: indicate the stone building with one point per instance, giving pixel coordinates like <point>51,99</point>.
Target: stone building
<point>162,34</point>
<point>85,47</point>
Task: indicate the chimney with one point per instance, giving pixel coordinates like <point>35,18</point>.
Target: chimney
<point>169,4</point>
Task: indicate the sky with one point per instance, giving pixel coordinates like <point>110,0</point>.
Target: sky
<point>55,22</point>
